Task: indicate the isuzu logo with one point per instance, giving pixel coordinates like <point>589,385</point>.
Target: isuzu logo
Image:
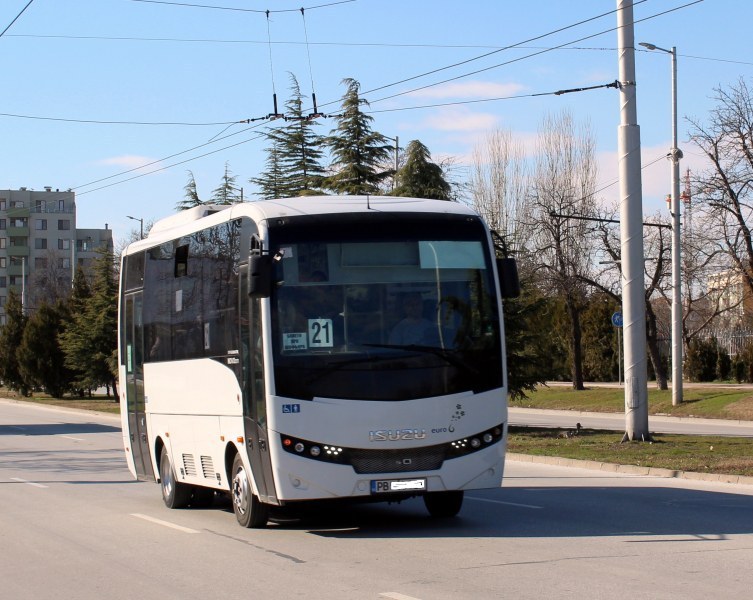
<point>395,435</point>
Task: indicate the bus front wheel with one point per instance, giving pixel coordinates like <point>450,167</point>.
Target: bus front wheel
<point>249,511</point>
<point>444,504</point>
<point>174,493</point>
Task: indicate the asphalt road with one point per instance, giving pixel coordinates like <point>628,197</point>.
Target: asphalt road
<point>74,525</point>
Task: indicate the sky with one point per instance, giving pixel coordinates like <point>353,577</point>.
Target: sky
<point>119,99</point>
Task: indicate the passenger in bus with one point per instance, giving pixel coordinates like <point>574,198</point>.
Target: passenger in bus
<point>414,329</point>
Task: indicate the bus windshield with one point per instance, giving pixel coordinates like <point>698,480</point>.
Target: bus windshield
<point>374,310</point>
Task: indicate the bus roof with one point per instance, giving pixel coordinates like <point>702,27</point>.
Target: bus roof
<point>185,222</point>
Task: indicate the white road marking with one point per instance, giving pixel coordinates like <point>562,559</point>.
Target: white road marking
<point>70,437</point>
<point>506,503</point>
<point>164,523</point>
<point>397,596</point>
<point>39,485</point>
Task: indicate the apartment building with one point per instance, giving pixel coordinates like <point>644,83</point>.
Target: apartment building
<point>40,245</point>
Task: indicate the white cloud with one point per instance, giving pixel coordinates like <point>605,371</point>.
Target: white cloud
<point>129,161</point>
<point>460,119</point>
<point>470,89</point>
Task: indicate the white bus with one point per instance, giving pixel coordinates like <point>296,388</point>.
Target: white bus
<point>314,348</point>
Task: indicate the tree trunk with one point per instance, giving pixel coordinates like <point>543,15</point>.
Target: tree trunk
<point>653,348</point>
<point>576,348</point>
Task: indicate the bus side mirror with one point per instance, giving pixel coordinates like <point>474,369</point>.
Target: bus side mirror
<point>507,270</point>
<point>260,276</point>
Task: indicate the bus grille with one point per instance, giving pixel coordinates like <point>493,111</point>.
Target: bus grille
<point>207,468</point>
<point>397,461</point>
<point>189,465</point>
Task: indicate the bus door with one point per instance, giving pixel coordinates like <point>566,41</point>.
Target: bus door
<point>134,340</point>
<point>254,392</point>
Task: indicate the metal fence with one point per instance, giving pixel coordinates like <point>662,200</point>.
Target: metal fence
<point>732,340</point>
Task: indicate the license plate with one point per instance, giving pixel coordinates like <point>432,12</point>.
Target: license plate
<point>381,486</point>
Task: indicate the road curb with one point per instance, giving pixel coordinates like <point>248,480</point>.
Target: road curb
<point>630,469</point>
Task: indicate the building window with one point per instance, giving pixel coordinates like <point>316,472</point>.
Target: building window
<point>64,263</point>
<point>64,224</point>
<point>61,205</point>
<point>19,222</point>
<point>16,204</point>
<point>3,281</point>
<point>14,280</point>
<point>2,301</point>
<point>40,224</point>
<point>3,223</point>
<point>40,262</point>
<point>40,244</point>
<point>3,203</point>
<point>3,242</point>
<point>3,262</point>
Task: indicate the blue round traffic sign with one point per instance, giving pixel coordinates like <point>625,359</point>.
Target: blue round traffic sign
<point>617,319</point>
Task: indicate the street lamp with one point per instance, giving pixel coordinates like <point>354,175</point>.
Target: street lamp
<point>675,154</point>
<point>141,222</point>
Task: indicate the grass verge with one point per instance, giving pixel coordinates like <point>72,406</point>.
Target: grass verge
<point>713,403</point>
<point>701,454</point>
<point>95,403</point>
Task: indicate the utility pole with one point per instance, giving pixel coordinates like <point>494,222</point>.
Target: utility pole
<point>631,233</point>
<point>675,154</point>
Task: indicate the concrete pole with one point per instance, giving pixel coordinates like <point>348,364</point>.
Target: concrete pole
<point>631,234</point>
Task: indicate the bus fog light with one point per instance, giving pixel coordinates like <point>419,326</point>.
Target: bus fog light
<point>299,447</point>
<point>488,438</point>
<point>315,451</point>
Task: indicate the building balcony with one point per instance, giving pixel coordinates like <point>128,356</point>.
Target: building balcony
<point>17,251</point>
<point>17,212</point>
<point>18,232</point>
<point>18,270</point>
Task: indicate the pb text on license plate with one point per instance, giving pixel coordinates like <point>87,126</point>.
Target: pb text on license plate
<point>380,486</point>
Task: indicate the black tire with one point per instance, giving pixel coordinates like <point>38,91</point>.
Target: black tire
<point>442,505</point>
<point>249,511</point>
<point>174,493</point>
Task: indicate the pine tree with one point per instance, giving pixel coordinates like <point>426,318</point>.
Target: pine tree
<point>419,177</point>
<point>41,361</point>
<point>294,152</point>
<point>73,337</point>
<point>191,196</point>
<point>10,338</point>
<point>90,338</point>
<point>272,183</point>
<point>227,192</point>
<point>103,315</point>
<point>301,147</point>
<point>357,151</point>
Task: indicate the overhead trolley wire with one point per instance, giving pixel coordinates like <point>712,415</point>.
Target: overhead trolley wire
<point>251,10</point>
<point>16,18</point>
<point>560,46</point>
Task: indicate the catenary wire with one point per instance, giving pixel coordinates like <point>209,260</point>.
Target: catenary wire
<point>16,18</point>
<point>251,10</point>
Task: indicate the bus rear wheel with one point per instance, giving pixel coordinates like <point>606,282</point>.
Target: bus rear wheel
<point>174,493</point>
<point>248,509</point>
<point>443,505</point>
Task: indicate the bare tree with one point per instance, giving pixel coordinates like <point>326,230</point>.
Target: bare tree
<point>499,185</point>
<point>724,191</point>
<point>562,187</point>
